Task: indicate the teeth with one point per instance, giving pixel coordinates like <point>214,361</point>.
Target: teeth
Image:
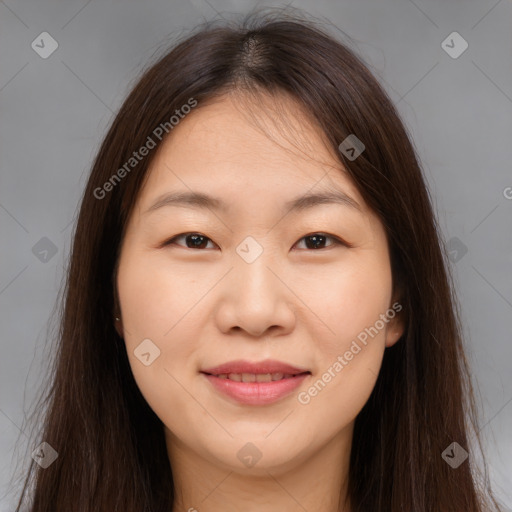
<point>251,377</point>
<point>264,377</point>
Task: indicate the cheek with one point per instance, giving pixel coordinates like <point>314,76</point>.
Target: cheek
<point>350,349</point>
<point>153,297</point>
<point>154,305</point>
<point>351,300</point>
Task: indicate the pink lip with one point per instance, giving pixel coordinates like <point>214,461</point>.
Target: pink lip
<point>256,393</point>
<point>267,366</point>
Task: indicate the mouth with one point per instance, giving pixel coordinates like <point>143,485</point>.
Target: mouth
<point>242,367</point>
<point>255,383</point>
<point>256,377</point>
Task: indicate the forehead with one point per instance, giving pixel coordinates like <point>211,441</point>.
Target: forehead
<point>240,148</point>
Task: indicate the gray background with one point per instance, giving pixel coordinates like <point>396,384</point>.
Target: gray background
<point>54,112</point>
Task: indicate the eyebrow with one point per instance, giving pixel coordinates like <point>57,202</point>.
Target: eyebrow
<point>205,201</point>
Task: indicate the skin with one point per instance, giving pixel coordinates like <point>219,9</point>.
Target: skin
<point>205,306</point>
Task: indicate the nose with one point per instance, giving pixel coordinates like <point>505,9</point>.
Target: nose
<point>255,299</point>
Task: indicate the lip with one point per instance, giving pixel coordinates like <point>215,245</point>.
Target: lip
<point>256,393</point>
<point>267,366</point>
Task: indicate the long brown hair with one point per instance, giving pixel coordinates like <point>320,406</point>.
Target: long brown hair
<point>111,448</point>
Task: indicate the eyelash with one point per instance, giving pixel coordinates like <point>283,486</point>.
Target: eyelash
<point>337,241</point>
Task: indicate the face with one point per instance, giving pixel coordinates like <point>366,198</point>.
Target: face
<point>259,273</point>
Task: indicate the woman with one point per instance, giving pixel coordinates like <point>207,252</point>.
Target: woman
<point>258,314</point>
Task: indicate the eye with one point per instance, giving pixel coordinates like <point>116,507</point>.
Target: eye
<point>193,240</point>
<point>314,241</point>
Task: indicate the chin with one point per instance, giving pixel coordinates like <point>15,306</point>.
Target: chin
<point>259,455</point>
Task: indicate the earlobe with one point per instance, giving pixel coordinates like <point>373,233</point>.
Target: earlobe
<point>394,331</point>
<point>392,337</point>
<point>396,325</point>
<point>119,326</point>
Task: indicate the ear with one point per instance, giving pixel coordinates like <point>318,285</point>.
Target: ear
<point>394,330</point>
<point>396,324</point>
<point>118,324</point>
<point>118,319</point>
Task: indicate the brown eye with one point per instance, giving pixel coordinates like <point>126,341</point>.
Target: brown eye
<point>317,241</point>
<point>192,240</point>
